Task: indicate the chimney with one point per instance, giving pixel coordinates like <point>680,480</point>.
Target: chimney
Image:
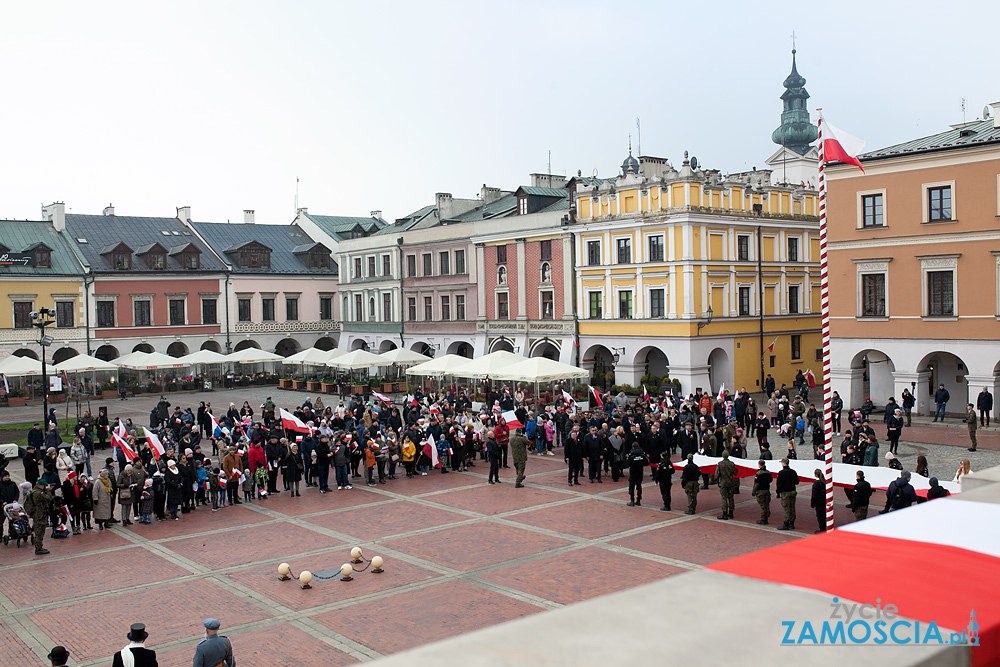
<point>109,211</point>
<point>444,205</point>
<point>376,215</point>
<point>301,211</point>
<point>489,195</point>
<point>184,213</point>
<point>56,214</point>
<point>248,216</point>
<point>996,113</point>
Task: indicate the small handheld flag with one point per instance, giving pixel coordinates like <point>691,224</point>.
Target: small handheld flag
<point>597,397</point>
<point>512,421</point>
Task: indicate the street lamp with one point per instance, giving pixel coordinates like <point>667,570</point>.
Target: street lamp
<point>617,354</point>
<point>702,325</point>
<point>42,318</point>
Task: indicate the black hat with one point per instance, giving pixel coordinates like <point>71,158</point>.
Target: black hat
<point>58,654</point>
<point>109,461</point>
<point>137,633</point>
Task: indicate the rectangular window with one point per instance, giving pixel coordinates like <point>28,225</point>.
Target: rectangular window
<point>593,253</point>
<point>141,314</point>
<point>939,203</point>
<point>386,265</point>
<point>871,210</point>
<point>501,254</point>
<point>744,301</point>
<point>190,260</point>
<point>444,263</point>
<point>625,304</point>
<point>371,267</point>
<point>411,266</point>
<point>656,249</point>
<point>428,309</point>
<point>121,261</point>
<point>796,346</point>
<point>22,314</point>
<point>43,259</point>
<point>357,267</point>
<point>773,359</point>
<point>548,312</point>
<point>873,295</point>
<point>445,308</point>
<point>793,299</point>
<point>793,249</point>
<point>819,354</point>
<point>209,311</point>
<point>545,250</point>
<point>387,308</point>
<point>105,314</point>
<point>940,293</point>
<point>522,206</point>
<point>428,265</point>
<point>460,262</point>
<point>411,308</point>
<point>291,309</point>
<point>371,309</point>
<point>656,303</point>
<point>64,314</point>
<point>359,312</point>
<point>243,306</point>
<point>624,250</point>
<point>595,308</point>
<point>460,307</point>
<point>743,248</point>
<point>176,308</point>
<point>326,308</point>
<point>503,306</point>
<point>156,260</point>
<point>267,309</point>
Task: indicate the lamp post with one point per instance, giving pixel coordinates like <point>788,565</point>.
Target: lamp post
<point>702,325</point>
<point>42,318</point>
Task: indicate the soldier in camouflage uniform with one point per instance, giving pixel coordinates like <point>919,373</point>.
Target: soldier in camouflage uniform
<point>37,505</point>
<point>762,490</point>
<point>726,473</point>
<point>689,480</point>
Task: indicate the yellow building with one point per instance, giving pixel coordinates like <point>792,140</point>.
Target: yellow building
<point>40,269</point>
<point>693,274</point>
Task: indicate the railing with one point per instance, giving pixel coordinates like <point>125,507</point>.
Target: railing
<point>31,336</point>
<point>291,325</point>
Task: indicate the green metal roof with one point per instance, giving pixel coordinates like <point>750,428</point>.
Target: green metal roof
<point>19,236</point>
<point>541,192</point>
<point>971,134</point>
<point>340,227</point>
<point>561,205</point>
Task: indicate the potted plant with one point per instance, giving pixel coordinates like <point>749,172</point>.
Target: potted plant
<point>285,383</point>
<point>109,391</point>
<point>17,398</point>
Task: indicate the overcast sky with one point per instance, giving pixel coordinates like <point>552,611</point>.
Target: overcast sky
<point>378,105</point>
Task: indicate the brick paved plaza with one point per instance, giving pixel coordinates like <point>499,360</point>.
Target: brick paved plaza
<point>459,555</point>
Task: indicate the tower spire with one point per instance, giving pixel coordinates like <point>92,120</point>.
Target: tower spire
<point>796,131</point>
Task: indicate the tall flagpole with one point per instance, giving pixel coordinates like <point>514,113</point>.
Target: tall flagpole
<point>824,291</point>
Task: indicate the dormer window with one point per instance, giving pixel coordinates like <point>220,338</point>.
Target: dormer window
<point>522,205</point>
<point>43,259</point>
<point>255,258</point>
<point>121,260</point>
<point>190,260</point>
<point>120,255</point>
<point>156,260</point>
<point>319,260</point>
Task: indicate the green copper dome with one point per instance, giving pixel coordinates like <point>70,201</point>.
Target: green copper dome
<point>795,132</point>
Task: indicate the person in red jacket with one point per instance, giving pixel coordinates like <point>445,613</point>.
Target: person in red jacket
<point>256,457</point>
<point>502,435</point>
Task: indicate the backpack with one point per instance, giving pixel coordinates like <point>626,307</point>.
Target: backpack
<point>897,499</point>
<point>29,505</point>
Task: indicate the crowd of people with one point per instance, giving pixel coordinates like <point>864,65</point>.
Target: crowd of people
<point>189,458</point>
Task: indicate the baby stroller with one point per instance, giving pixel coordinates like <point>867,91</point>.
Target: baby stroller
<point>19,526</point>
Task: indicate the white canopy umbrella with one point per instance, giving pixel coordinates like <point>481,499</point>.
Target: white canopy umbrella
<point>252,355</point>
<point>83,362</point>
<point>540,369</point>
<point>20,366</point>
<point>355,360</point>
<point>153,361</point>
<point>443,365</point>
<point>129,358</point>
<point>489,365</point>
<point>312,357</point>
<point>401,357</point>
<point>204,357</point>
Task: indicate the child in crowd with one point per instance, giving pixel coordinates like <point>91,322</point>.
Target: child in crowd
<point>214,486</point>
<point>146,502</point>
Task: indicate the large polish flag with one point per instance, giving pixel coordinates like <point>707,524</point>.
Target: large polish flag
<point>154,443</point>
<point>291,422</point>
<point>839,146</point>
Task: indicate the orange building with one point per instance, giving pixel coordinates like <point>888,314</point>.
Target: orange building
<point>915,268</point>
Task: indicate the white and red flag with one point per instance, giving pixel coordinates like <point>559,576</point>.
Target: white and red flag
<point>839,146</point>
<point>382,397</point>
<point>291,422</point>
<point>770,348</point>
<point>119,438</point>
<point>596,396</point>
<point>645,393</point>
<point>154,443</point>
<point>810,378</point>
<point>431,451</point>
<point>568,400</point>
<point>722,392</point>
<point>512,421</point>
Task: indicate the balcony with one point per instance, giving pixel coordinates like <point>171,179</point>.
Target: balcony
<point>31,335</point>
<point>288,326</point>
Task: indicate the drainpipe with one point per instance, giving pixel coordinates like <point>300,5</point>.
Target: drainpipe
<point>86,309</point>
<point>229,347</point>
<point>402,318</point>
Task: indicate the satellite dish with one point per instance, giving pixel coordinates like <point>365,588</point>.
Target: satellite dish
<point>986,112</point>
<point>694,163</point>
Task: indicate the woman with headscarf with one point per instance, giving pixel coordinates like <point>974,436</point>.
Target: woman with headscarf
<point>126,490</point>
<point>101,495</point>
<point>64,463</point>
<point>174,483</point>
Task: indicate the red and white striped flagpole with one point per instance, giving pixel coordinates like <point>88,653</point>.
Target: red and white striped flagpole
<point>824,292</point>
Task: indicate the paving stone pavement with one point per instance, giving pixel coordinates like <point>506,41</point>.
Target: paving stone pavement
<point>459,555</point>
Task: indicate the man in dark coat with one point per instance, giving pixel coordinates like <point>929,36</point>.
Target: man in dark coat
<point>860,497</point>
<point>687,440</point>
<point>784,486</point>
<point>637,462</point>
<point>665,477</point>
<point>140,655</point>
<point>818,499</point>
<point>984,403</point>
<point>593,450</point>
<point>689,480</point>
<point>762,491</point>
<point>573,455</point>
<point>31,461</point>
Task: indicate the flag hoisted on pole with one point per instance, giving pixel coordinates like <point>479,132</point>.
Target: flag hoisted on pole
<point>836,146</point>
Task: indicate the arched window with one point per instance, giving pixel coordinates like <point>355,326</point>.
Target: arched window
<point>546,272</point>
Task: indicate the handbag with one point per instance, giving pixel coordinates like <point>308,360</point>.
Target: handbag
<point>125,494</point>
<point>394,458</point>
